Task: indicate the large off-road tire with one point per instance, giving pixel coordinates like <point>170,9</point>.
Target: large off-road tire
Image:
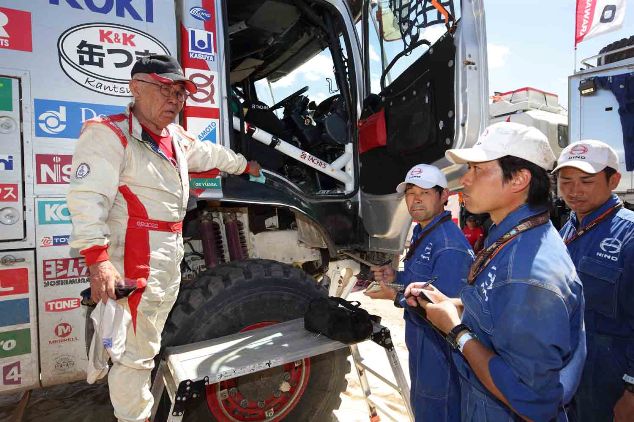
<point>622,55</point>
<point>244,295</point>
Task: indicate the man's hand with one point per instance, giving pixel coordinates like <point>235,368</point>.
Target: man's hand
<point>384,273</point>
<point>414,290</point>
<point>444,315</point>
<point>384,293</point>
<point>624,408</point>
<point>254,168</point>
<point>103,277</point>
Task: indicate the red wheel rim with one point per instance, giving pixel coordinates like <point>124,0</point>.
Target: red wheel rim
<point>277,391</point>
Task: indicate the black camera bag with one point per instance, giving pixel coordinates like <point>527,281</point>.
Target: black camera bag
<point>339,319</point>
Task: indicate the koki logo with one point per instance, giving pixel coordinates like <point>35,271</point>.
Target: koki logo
<point>8,192</point>
<point>122,8</point>
<point>201,44</point>
<point>53,169</point>
<point>6,161</point>
<point>62,304</point>
<point>64,268</point>
<point>48,241</point>
<point>15,29</point>
<point>63,119</point>
<point>53,212</point>
<point>63,329</point>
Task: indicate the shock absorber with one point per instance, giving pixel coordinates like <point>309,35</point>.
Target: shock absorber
<point>236,238</point>
<point>211,238</point>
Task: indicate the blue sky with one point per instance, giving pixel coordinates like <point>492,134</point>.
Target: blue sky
<point>530,43</point>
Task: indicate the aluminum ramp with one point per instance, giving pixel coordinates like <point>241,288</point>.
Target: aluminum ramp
<point>184,371</point>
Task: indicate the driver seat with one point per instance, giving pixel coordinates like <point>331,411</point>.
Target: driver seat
<point>258,114</point>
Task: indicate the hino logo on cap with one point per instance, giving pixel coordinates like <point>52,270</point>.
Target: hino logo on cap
<point>200,13</point>
<point>578,150</point>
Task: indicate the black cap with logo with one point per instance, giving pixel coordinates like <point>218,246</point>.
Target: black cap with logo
<point>163,68</point>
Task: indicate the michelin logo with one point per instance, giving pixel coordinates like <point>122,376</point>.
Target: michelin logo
<point>201,44</point>
<point>63,119</point>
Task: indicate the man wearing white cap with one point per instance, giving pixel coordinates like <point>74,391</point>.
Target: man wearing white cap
<point>518,325</point>
<point>600,238</point>
<point>440,252</point>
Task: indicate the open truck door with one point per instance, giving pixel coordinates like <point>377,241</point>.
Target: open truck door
<point>429,66</point>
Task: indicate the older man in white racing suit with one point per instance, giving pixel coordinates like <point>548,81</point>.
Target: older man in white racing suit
<point>128,197</point>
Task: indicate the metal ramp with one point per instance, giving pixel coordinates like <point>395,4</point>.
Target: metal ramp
<point>185,370</point>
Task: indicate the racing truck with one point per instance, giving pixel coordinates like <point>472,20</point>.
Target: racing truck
<point>285,82</point>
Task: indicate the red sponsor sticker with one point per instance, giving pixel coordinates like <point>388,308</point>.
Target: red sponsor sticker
<point>63,330</point>
<point>53,169</point>
<point>15,29</point>
<point>12,374</point>
<point>14,281</point>
<point>62,304</point>
<point>8,192</point>
<point>64,268</point>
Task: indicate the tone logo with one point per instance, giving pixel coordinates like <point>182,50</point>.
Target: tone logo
<point>62,304</point>
<point>15,30</point>
<point>53,169</point>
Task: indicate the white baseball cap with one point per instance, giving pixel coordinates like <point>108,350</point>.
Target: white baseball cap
<point>589,155</point>
<point>507,138</point>
<point>424,176</point>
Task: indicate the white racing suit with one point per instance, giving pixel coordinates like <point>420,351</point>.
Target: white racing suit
<point>125,194</point>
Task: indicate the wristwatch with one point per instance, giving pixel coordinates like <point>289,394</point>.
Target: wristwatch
<point>463,339</point>
<point>453,334</point>
<point>629,383</point>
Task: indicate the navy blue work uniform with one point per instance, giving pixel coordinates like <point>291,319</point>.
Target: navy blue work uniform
<point>446,254</point>
<point>604,257</point>
<point>526,305</point>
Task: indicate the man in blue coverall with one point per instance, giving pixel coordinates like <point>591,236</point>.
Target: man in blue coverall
<point>600,238</point>
<point>518,325</point>
<point>438,249</point>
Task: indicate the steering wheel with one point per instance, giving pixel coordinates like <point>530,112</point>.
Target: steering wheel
<point>289,98</point>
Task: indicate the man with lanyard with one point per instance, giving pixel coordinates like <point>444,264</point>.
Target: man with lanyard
<point>518,325</point>
<point>127,198</point>
<point>439,252</point>
<point>600,239</point>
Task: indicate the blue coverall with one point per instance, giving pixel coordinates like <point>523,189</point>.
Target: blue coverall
<point>527,307</point>
<point>446,254</point>
<point>604,257</point>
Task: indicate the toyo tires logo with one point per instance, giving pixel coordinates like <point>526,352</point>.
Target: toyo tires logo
<point>99,56</point>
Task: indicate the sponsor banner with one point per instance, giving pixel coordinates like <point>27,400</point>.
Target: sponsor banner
<point>63,333</point>
<point>139,10</point>
<point>62,304</point>
<point>14,312</point>
<point>205,183</point>
<point>206,81</point>
<point>6,94</point>
<point>48,241</point>
<point>64,272</point>
<point>201,44</point>
<point>53,169</point>
<point>100,56</point>
<point>63,119</point>
<point>203,129</point>
<point>6,162</point>
<point>15,30</point>
<point>15,343</point>
<point>8,192</point>
<point>52,212</point>
<point>595,17</point>
<point>14,281</point>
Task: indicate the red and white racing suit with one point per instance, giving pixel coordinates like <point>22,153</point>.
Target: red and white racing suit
<point>127,202</point>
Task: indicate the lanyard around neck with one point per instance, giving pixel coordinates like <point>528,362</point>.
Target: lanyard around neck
<point>591,225</point>
<point>423,235</point>
<point>486,255</point>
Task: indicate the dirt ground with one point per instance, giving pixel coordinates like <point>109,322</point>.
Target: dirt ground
<point>80,402</point>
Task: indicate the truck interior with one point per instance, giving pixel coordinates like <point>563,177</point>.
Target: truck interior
<point>410,120</point>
